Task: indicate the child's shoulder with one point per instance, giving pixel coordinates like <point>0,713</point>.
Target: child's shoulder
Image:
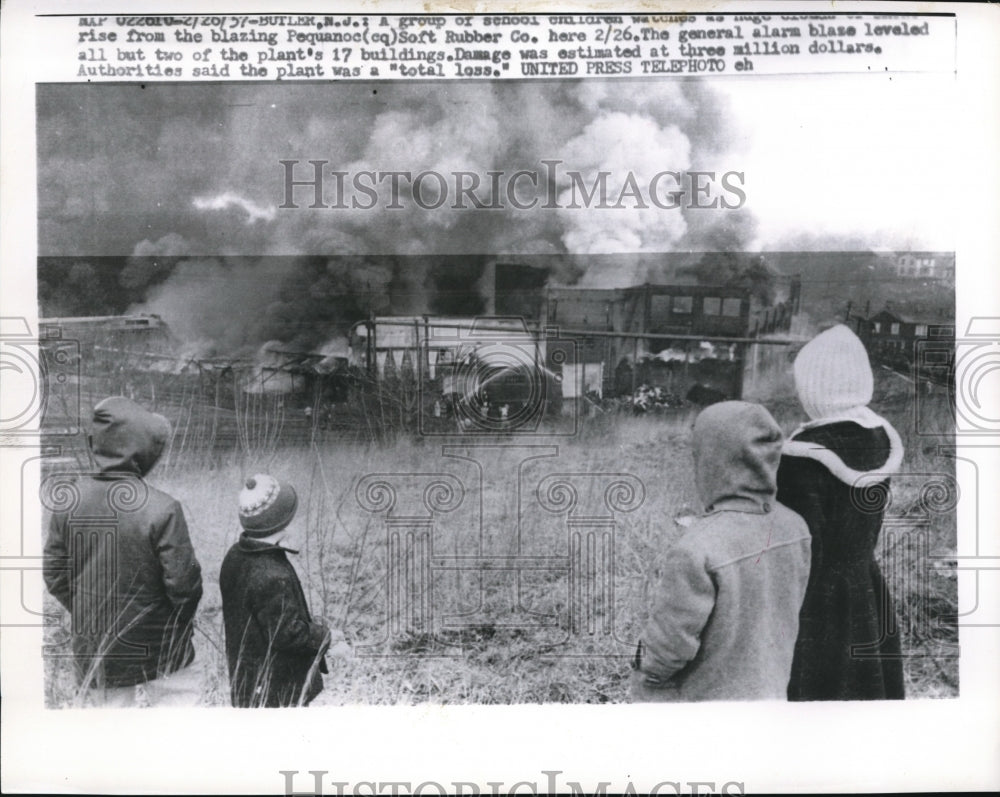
<point>848,438</point>
<point>162,500</point>
<point>260,571</point>
<point>702,537</point>
<point>848,450</point>
<point>722,537</point>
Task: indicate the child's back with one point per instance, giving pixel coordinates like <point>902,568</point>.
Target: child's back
<point>274,647</point>
<point>834,473</point>
<point>272,643</point>
<point>725,616</point>
<point>132,582</point>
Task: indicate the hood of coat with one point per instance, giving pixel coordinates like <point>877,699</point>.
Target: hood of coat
<point>737,447</point>
<point>860,448</point>
<point>126,437</point>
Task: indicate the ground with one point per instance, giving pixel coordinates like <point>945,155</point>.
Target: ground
<point>528,645</point>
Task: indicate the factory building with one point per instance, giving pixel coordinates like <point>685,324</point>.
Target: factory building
<point>591,341</point>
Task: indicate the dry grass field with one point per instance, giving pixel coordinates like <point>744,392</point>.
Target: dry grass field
<point>521,644</point>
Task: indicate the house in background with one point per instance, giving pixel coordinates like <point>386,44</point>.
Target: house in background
<point>893,338</point>
<point>925,265</point>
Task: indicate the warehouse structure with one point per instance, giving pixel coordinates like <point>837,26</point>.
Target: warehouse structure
<point>538,350</point>
<point>600,343</point>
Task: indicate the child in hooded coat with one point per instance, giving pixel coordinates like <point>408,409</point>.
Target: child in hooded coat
<point>835,472</point>
<point>725,618</point>
<point>120,559</point>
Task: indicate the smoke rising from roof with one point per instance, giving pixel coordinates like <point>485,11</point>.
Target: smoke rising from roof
<point>188,181</point>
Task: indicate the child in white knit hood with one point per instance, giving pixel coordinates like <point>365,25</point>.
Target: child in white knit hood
<point>833,471</point>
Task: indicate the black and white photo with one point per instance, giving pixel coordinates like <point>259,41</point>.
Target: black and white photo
<point>483,367</point>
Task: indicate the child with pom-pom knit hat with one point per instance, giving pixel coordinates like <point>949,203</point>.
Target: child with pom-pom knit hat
<point>267,506</point>
<point>848,647</point>
<point>275,649</point>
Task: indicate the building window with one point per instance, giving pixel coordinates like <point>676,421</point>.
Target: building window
<point>683,304</point>
<point>659,307</point>
<point>711,305</point>
<point>731,307</point>
<point>920,331</point>
<point>876,327</point>
<point>894,329</point>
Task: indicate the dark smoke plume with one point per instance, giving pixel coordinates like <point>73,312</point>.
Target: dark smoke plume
<point>187,182</point>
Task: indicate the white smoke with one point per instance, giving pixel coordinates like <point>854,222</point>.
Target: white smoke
<point>228,199</point>
<point>629,131</point>
<point>630,150</point>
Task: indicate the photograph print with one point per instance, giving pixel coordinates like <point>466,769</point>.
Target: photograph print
<point>498,391</point>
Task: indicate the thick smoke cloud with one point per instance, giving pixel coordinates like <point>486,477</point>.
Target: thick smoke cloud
<point>631,149</point>
<point>186,179</point>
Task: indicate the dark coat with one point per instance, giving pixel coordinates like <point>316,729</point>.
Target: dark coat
<point>848,646</point>
<point>273,646</point>
<point>119,558</point>
<point>726,611</point>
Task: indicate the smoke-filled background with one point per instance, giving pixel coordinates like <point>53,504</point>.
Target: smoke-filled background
<point>165,197</point>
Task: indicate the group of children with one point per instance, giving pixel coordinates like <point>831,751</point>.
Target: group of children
<point>772,593</point>
<point>121,561</point>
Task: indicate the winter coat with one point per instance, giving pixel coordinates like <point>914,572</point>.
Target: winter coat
<point>273,646</point>
<point>119,558</point>
<point>834,474</point>
<point>725,616</point>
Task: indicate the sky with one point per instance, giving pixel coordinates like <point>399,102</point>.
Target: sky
<point>865,158</point>
<point>838,162</point>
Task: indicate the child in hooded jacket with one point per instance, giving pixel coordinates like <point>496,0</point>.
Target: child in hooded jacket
<point>118,556</point>
<point>835,473</point>
<point>725,616</point>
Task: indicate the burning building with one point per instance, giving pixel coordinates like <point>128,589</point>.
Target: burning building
<point>588,342</point>
<point>140,332</point>
<point>536,348</point>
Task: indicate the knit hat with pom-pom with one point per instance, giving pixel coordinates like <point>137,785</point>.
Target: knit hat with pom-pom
<point>833,373</point>
<point>266,505</point>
